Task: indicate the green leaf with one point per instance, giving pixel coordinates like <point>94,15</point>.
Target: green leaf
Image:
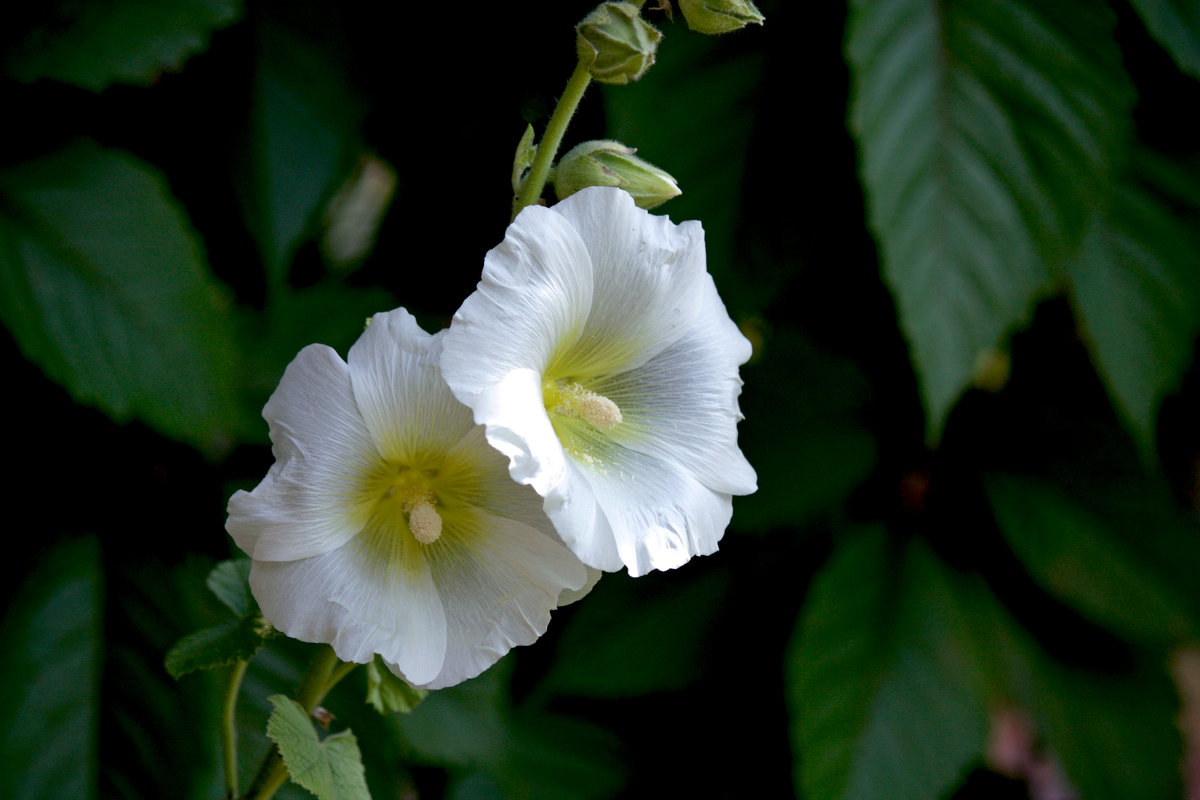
<point>1135,287</point>
<point>303,140</point>
<point>50,655</point>
<point>631,638</point>
<point>987,133</point>
<point>232,640</point>
<point>885,689</point>
<point>553,757</point>
<point>104,285</point>
<point>95,44</point>
<point>1176,26</point>
<point>1077,555</point>
<point>388,693</point>
<point>230,582</point>
<point>331,769</point>
<point>217,646</point>
<point>1115,734</point>
<point>809,455</point>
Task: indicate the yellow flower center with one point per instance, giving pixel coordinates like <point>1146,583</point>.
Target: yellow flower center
<point>569,399</point>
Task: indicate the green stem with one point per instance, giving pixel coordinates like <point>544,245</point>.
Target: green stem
<point>229,728</point>
<point>535,181</point>
<point>324,673</point>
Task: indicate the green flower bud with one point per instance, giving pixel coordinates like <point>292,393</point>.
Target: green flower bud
<point>615,43</point>
<point>608,163</point>
<point>719,16</point>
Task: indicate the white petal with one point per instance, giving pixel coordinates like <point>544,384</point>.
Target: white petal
<point>682,405</point>
<point>658,515</point>
<point>518,426</point>
<point>535,295</point>
<point>399,390</point>
<point>308,503</point>
<point>360,604</point>
<point>648,274</point>
<point>498,588</point>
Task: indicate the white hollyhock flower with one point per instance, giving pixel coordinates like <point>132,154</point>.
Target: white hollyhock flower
<point>603,364</point>
<point>388,525</point>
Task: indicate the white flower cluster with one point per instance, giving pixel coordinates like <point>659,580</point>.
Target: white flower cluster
<point>434,498</point>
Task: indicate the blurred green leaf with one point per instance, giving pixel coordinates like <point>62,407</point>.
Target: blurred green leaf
<point>886,691</point>
<point>1136,291</point>
<point>661,116</point>
<point>95,44</point>
<point>159,736</point>
<point>808,441</point>
<point>1176,26</point>
<point>554,757</point>
<point>632,638</point>
<point>987,133</point>
<point>461,726</point>
<point>388,693</point>
<point>1116,735</point>
<point>104,285</point>
<point>1077,555</point>
<point>51,649</point>
<point>303,138</point>
<point>331,769</point>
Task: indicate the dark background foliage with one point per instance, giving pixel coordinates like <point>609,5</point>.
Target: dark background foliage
<point>961,236</point>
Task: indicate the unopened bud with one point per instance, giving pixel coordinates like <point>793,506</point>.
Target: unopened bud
<point>608,163</point>
<point>615,43</point>
<point>719,16</point>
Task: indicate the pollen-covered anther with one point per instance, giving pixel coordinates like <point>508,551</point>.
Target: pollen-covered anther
<point>423,518</point>
<point>596,409</point>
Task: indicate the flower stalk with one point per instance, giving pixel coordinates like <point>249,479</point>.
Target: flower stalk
<point>539,172</point>
<point>229,727</point>
<point>323,674</point>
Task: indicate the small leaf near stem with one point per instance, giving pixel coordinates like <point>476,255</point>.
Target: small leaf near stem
<point>324,673</point>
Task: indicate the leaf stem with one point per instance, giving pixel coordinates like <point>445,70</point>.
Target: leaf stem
<point>323,674</point>
<point>229,727</point>
<point>535,181</point>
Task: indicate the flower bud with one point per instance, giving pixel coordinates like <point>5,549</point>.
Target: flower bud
<point>609,163</point>
<point>719,16</point>
<point>615,43</point>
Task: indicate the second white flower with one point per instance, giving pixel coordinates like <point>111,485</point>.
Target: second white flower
<point>603,364</point>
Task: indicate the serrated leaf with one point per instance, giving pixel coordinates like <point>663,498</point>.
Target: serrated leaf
<point>95,44</point>
<point>1176,26</point>
<point>987,132</point>
<point>217,646</point>
<point>886,698</point>
<point>1135,288</point>
<point>230,582</point>
<point>1076,555</point>
<point>388,693</point>
<point>104,285</point>
<point>51,650</point>
<point>331,769</point>
<point>303,141</point>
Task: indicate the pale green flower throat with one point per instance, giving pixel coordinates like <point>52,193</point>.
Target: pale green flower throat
<point>569,399</point>
<point>409,493</point>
